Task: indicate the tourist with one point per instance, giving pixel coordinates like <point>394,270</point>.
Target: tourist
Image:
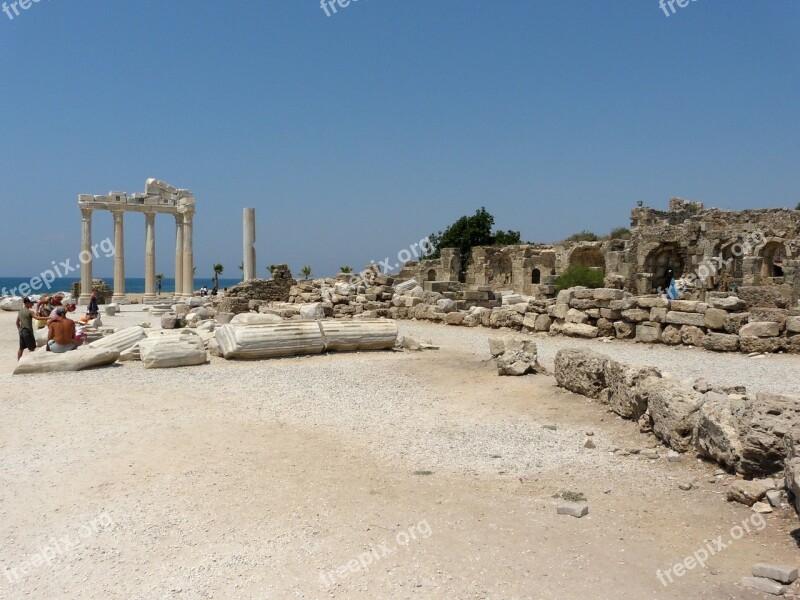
<point>44,309</point>
<point>25,328</point>
<point>61,335</point>
<point>92,311</point>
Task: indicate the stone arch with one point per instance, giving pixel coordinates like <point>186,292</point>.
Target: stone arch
<point>773,256</point>
<point>664,262</point>
<point>536,276</point>
<point>431,275</point>
<point>588,256</point>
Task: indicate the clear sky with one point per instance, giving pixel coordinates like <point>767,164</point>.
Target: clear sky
<point>356,134</point>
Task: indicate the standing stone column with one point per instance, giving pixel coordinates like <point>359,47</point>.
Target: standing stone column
<point>249,236</point>
<point>178,255</point>
<point>188,256</point>
<point>119,257</point>
<point>149,257</point>
<point>86,256</point>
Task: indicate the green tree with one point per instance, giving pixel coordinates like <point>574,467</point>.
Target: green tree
<point>797,207</point>
<point>272,269</point>
<point>579,275</point>
<point>346,269</point>
<point>620,233</point>
<point>306,271</point>
<point>468,232</point>
<point>218,269</point>
<point>583,236</point>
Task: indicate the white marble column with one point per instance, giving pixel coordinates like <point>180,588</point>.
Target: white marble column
<point>119,257</point>
<point>86,256</point>
<point>149,257</point>
<point>249,237</point>
<point>188,256</point>
<point>178,255</point>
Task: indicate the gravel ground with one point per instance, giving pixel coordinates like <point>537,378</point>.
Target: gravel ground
<point>779,374</point>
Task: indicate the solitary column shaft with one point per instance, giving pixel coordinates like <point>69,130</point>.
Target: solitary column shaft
<point>188,256</point>
<point>150,256</point>
<point>249,237</point>
<point>119,257</point>
<point>86,256</point>
<point>178,256</point>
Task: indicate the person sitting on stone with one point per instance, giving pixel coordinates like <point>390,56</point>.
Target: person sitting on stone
<point>61,334</point>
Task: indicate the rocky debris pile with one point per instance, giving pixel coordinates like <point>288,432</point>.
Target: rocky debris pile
<point>752,435</point>
<point>276,289</point>
<point>515,355</point>
<point>347,295</point>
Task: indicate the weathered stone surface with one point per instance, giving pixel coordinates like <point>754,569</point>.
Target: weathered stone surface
<point>685,318</point>
<point>774,315</point>
<point>721,342</point>
<point>580,330</point>
<point>764,585</point>
<point>673,410</point>
<point>657,315</point>
<point>169,322</point>
<point>764,329</point>
<point>689,306</point>
<point>361,335</point>
<point>255,319</point>
<point>11,304</point>
<point>121,340</point>
<point>624,331</point>
<point>730,303</point>
<point>516,355</point>
<point>454,318</point>
<point>672,335</point>
<point>652,302</point>
<point>576,316</point>
<point>715,318</point>
<point>224,317</point>
<point>573,509</point>
<point>763,429</point>
<point>607,294</point>
<point>648,332</point>
<point>735,321</point>
<point>636,315</point>
<point>289,338</point>
<point>717,434</point>
<point>168,351</point>
<point>758,344</point>
<point>692,336</point>
<point>581,371</point>
<point>624,396</point>
<point>749,492</point>
<point>312,311</point>
<point>793,324</point>
<point>781,573</point>
<point>77,360</point>
<point>543,323</point>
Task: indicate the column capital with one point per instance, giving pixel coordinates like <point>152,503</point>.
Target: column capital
<point>86,212</point>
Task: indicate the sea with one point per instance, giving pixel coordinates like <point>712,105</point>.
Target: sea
<point>133,285</point>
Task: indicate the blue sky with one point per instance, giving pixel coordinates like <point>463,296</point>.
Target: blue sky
<point>357,134</point>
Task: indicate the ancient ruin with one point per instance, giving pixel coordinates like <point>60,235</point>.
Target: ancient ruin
<point>158,198</point>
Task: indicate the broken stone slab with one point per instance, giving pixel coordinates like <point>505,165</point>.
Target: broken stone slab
<point>749,492</point>
<point>111,309</point>
<point>121,340</point>
<point>780,573</point>
<point>763,430</point>
<point>717,433</point>
<point>168,351</point>
<point>573,509</point>
<point>673,410</point>
<point>312,311</point>
<point>11,304</point>
<point>131,354</point>
<point>270,340</point>
<point>648,332</point>
<point>169,321</point>
<point>255,319</point>
<point>624,395</point>
<point>581,371</point>
<point>76,360</point>
<point>774,497</point>
<point>721,342</point>
<point>361,335</point>
<point>762,508</point>
<point>764,585</point>
<point>580,330</point>
<point>730,303</point>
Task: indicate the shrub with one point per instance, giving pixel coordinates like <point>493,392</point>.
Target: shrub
<point>620,233</point>
<point>583,236</point>
<point>579,275</point>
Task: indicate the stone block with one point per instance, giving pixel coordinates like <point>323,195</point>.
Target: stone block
<point>764,428</point>
<point>685,318</point>
<point>648,333</point>
<point>671,335</point>
<point>793,324</point>
<point>624,397</point>
<point>652,302</point>
<point>573,509</point>
<point>764,329</point>
<point>721,342</point>
<point>581,371</point>
<point>623,330</point>
<point>764,585</point>
<point>608,294</point>
<point>730,303</point>
<point>168,351</point>
<point>657,315</point>
<point>636,315</point>
<point>543,323</point>
<point>121,340</point>
<point>580,330</point>
<point>687,306</point>
<point>576,316</point>
<point>692,336</point>
<point>674,411</point>
<point>715,318</point>
<point>77,360</point>
<point>749,492</point>
<point>717,434</point>
<point>781,573</point>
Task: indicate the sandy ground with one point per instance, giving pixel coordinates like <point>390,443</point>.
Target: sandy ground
<point>304,478</point>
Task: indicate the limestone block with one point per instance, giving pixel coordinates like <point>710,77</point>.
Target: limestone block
<point>780,573</point>
<point>648,332</point>
<point>671,335</point>
<point>689,306</point>
<point>731,303</point>
<point>735,321</point>
<point>455,318</point>
<point>289,338</point>
<point>111,309</point>
<point>793,324</point>
<point>624,396</point>
<point>636,315</point>
<point>312,311</point>
<point>255,319</point>
<point>406,286</point>
<point>652,302</point>
<point>11,304</point>
<point>581,330</point>
<point>762,329</point>
<point>750,344</point>
<point>607,294</point>
<point>365,334</point>
<point>445,305</point>
<point>610,314</point>
<point>764,585</point>
<point>692,336</point>
<point>558,311</point>
<point>224,317</point>
<point>624,331</point>
<point>715,318</point>
<point>543,323</point>
<point>749,492</point>
<point>201,311</point>
<point>121,340</point>
<point>764,427</point>
<point>657,314</point>
<point>167,351</point>
<point>717,434</point>
<point>169,321</point>
<point>77,360</point>
<point>673,410</point>
<point>721,342</point>
<point>576,316</point>
<point>685,318</point>
<point>131,354</point>
<point>581,371</point>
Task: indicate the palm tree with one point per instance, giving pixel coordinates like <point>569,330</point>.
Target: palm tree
<point>218,269</point>
<point>346,269</point>
<point>306,271</point>
<point>159,281</point>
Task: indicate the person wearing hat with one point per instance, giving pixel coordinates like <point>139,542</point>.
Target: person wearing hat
<point>27,341</point>
<point>61,335</point>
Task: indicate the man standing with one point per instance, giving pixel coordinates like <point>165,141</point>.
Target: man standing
<point>61,337</point>
<point>25,328</point>
<point>93,310</point>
